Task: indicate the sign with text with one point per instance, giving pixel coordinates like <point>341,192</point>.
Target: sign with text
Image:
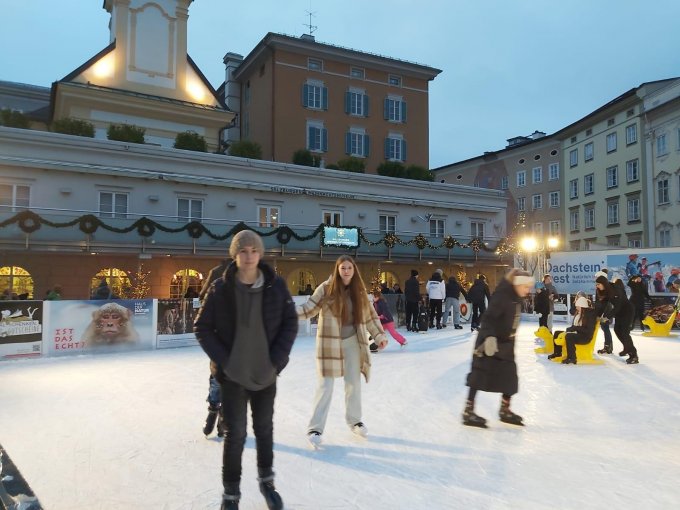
<point>341,237</point>
<point>20,328</point>
<point>175,325</point>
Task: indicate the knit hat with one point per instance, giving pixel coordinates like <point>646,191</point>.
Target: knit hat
<point>522,278</point>
<point>246,238</point>
<point>602,274</point>
<point>582,302</point>
<point>601,279</point>
<point>440,271</point>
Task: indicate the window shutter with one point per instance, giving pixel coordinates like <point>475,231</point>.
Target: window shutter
<point>403,150</point>
<point>347,101</point>
<point>403,111</point>
<point>366,146</point>
<point>386,109</point>
<point>348,143</point>
<point>324,98</point>
<point>305,94</point>
<point>324,140</point>
<point>366,106</point>
<point>387,148</point>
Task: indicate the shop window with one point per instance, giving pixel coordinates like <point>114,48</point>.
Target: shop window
<point>298,281</point>
<point>117,280</point>
<point>186,283</point>
<point>15,283</point>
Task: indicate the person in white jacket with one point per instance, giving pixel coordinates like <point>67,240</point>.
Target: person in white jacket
<point>436,292</point>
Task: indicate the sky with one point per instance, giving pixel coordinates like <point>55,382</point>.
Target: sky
<point>123,431</point>
<point>509,68</point>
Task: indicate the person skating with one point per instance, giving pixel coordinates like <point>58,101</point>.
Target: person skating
<point>247,325</point>
<point>453,292</point>
<point>603,304</point>
<point>478,295</point>
<point>436,292</point>
<point>346,320</point>
<point>615,305</point>
<point>580,332</point>
<point>493,367</point>
<point>638,295</point>
<point>386,318</point>
<point>542,304</point>
<point>412,297</point>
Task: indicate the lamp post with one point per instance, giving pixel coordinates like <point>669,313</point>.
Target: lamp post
<point>535,252</point>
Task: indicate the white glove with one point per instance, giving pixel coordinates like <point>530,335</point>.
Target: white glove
<point>490,345</point>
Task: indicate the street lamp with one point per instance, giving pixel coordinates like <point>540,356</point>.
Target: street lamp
<point>535,253</point>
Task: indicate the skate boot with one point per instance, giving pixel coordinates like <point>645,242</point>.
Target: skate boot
<point>271,495</point>
<point>471,419</point>
<point>231,496</point>
<point>221,427</point>
<point>633,360</point>
<point>607,349</point>
<point>209,426</point>
<point>507,416</point>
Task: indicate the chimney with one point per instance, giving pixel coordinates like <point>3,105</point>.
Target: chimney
<point>307,37</point>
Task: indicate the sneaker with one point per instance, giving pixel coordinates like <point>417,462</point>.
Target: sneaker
<point>507,416</point>
<point>633,360</point>
<point>605,350</point>
<point>314,438</point>
<point>271,495</point>
<point>360,429</point>
<point>473,420</point>
<point>569,361</point>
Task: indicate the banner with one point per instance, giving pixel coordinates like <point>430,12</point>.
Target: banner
<point>20,328</point>
<point>175,324</point>
<point>77,327</point>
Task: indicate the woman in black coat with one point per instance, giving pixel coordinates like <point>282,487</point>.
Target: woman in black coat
<point>542,304</point>
<point>638,295</point>
<point>621,310</point>
<point>493,363</point>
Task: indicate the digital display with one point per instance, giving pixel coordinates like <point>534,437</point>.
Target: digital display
<point>341,236</point>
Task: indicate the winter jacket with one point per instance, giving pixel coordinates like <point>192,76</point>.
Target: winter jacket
<point>412,290</point>
<point>454,289</point>
<point>542,303</point>
<point>478,292</point>
<point>215,273</point>
<point>638,292</point>
<point>383,311</point>
<point>498,373</point>
<point>215,326</point>
<point>436,289</point>
<point>583,327</point>
<point>329,356</point>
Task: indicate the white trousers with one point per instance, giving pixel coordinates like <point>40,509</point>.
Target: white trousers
<point>324,389</point>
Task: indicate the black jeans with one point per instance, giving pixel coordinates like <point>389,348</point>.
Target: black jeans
<point>478,310</point>
<point>435,311</point>
<point>604,326</point>
<point>235,400</point>
<point>412,315</point>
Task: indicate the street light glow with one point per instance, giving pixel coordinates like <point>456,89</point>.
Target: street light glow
<point>528,244</point>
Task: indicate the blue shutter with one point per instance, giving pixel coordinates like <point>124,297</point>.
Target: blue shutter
<point>386,106</point>
<point>366,146</point>
<point>324,140</point>
<point>305,94</point>
<point>403,150</point>
<point>324,98</point>
<point>365,105</point>
<point>347,100</point>
<point>403,111</point>
<point>310,138</point>
<point>348,143</point>
<point>387,148</point>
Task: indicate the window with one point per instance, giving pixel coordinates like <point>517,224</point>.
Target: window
<point>633,209</point>
<point>356,143</point>
<point>314,64</point>
<point>317,137</point>
<point>553,171</point>
<point>589,184</point>
<point>504,182</point>
<point>554,198</point>
<point>575,245</point>
<point>663,195</point>
<point>664,238</point>
<point>356,103</point>
<point>613,241</point>
<point>537,202</point>
<point>588,152</point>
<point>573,188</point>
<point>332,218</point>
<point>395,148</point>
<point>573,158</point>
<point>612,177</point>
<point>573,221</point>
<point>15,281</point>
<point>612,213</point>
<point>573,139</point>
<point>189,209</point>
<point>315,96</point>
<point>357,72</point>
<point>589,217</point>
<point>477,229</point>
<point>436,228</point>
<point>631,134</point>
<point>632,171</point>
<point>14,196</point>
<point>394,80</point>
<point>394,109</point>
<point>610,122</point>
<point>522,204</point>
<point>537,175</point>
<point>634,243</point>
<point>537,229</point>
<point>521,178</point>
<point>611,142</point>
<point>268,216</point>
<point>661,146</point>
<point>388,224</point>
<point>113,205</point>
<point>554,228</point>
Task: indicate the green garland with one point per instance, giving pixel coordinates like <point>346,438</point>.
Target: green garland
<point>29,222</point>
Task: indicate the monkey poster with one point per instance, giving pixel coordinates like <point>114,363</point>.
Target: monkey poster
<point>78,327</point>
<point>175,326</point>
<point>20,328</point>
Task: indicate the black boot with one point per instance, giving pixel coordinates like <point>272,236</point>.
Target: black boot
<point>221,427</point>
<point>633,360</point>
<point>271,495</point>
<point>209,426</point>
<point>470,418</point>
<point>507,416</point>
<point>607,349</point>
<point>231,496</point>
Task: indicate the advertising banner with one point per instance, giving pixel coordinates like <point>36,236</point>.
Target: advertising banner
<point>77,327</point>
<point>175,324</point>
<point>20,328</point>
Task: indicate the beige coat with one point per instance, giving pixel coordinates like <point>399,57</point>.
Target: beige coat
<point>329,357</point>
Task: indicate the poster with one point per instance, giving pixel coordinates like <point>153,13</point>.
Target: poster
<point>175,325</point>
<point>20,328</point>
<point>77,327</point>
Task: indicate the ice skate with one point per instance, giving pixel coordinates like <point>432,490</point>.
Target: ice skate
<point>314,438</point>
<point>271,495</point>
<point>210,420</point>
<point>360,429</point>
<point>632,360</point>
<point>507,416</point>
<point>473,420</point>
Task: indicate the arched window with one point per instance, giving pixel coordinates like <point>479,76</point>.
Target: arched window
<point>298,281</point>
<point>388,277</point>
<point>15,283</point>
<point>186,283</point>
<point>116,278</point>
